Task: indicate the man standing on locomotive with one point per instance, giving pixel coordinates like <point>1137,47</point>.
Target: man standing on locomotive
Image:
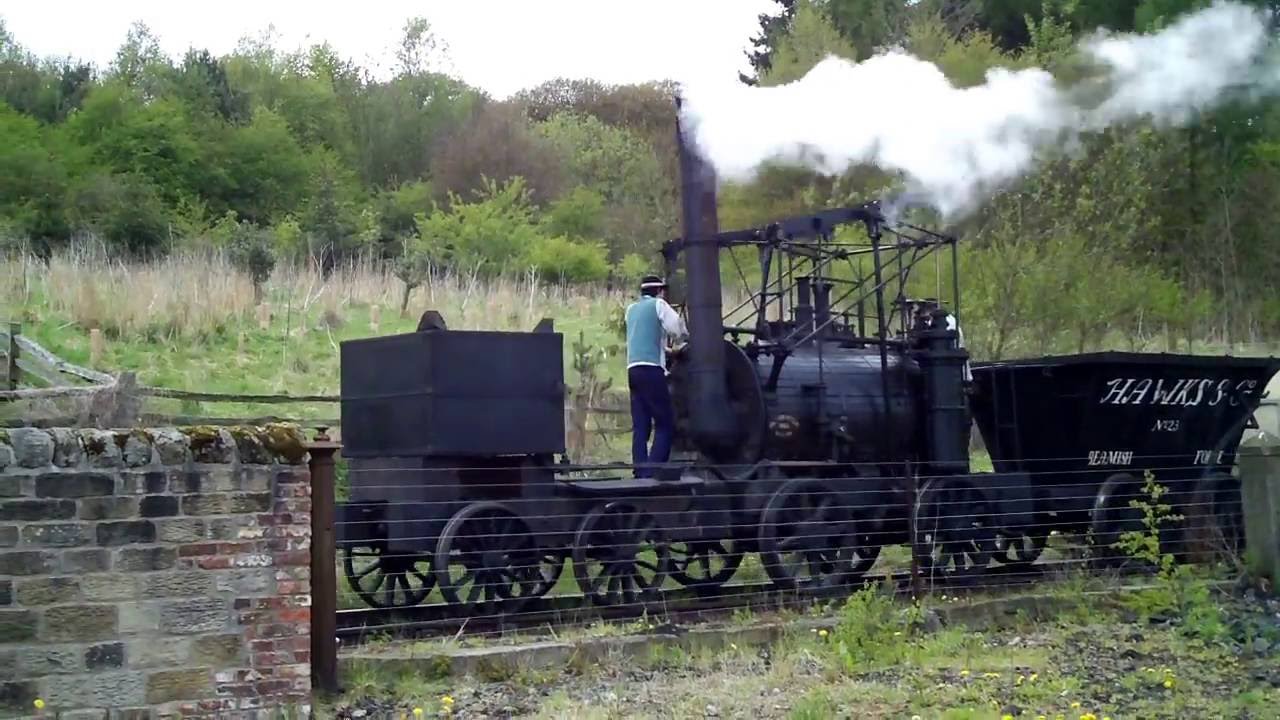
<point>649,320</point>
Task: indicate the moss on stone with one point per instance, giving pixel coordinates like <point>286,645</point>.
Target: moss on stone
<point>95,443</point>
<point>285,440</point>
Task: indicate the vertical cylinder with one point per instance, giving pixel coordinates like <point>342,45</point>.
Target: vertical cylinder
<point>822,306</point>
<point>711,424</point>
<point>804,308</point>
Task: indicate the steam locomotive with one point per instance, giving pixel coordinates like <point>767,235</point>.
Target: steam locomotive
<point>823,418</point>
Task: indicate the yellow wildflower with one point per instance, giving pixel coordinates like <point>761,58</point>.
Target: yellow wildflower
<point>1006,716</point>
<point>417,712</point>
<point>991,675</point>
<point>1168,682</point>
<point>39,704</point>
<point>1041,717</point>
<point>822,633</point>
<point>1033,677</point>
<point>964,673</point>
<point>1019,680</point>
<point>1075,705</point>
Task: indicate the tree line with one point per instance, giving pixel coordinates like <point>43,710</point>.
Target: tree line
<point>277,155</point>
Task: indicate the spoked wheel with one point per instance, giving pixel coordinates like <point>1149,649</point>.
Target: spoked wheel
<point>809,538</point>
<point>387,580</point>
<point>620,556</point>
<point>1018,549</point>
<point>954,528</point>
<point>488,561</point>
<point>549,570</point>
<point>1112,516</point>
<point>1215,519</point>
<point>704,566</point>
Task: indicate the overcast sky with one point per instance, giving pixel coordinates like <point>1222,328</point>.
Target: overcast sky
<point>499,45</point>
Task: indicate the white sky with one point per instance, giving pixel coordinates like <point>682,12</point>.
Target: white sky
<point>499,45</point>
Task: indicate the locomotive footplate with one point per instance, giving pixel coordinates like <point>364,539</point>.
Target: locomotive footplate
<point>634,487</point>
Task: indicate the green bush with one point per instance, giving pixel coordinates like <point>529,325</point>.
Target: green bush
<point>564,260</point>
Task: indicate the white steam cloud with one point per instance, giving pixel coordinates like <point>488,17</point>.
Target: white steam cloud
<point>954,146</point>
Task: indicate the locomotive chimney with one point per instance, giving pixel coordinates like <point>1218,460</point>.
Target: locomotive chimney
<point>710,422</point>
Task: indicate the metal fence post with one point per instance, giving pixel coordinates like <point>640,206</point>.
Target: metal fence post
<point>324,578</point>
<point>15,329</point>
<point>1260,495</point>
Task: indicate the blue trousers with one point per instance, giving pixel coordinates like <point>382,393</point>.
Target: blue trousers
<point>651,411</point>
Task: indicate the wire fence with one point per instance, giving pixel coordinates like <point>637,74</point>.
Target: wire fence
<point>502,552</point>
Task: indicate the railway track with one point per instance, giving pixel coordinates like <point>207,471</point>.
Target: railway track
<point>675,606</point>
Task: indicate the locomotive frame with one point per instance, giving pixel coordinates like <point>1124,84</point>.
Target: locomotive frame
<point>839,427</point>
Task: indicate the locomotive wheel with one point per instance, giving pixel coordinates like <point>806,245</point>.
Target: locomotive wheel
<point>954,528</point>
<point>809,539</point>
<point>620,555</point>
<point>1215,519</point>
<point>549,571</point>
<point>705,566</point>
<point>1019,549</point>
<point>487,560</point>
<point>1113,516</point>
<point>387,580</point>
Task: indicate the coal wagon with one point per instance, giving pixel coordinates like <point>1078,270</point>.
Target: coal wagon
<point>1087,429</point>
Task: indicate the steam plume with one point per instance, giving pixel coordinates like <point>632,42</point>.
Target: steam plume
<point>954,146</point>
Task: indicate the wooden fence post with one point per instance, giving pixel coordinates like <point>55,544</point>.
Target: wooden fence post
<point>15,329</point>
<point>1260,495</point>
<point>324,575</point>
<point>96,348</point>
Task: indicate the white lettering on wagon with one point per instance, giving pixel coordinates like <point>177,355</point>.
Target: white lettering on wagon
<point>1110,457</point>
<point>1186,392</point>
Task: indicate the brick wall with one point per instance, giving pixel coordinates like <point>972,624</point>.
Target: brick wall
<point>154,573</point>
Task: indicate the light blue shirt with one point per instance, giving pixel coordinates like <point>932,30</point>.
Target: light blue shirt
<point>647,320</point>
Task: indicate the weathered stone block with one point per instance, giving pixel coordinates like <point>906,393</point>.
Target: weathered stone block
<point>219,650</point>
<point>18,696</point>
<point>56,534</point>
<point>10,486</point>
<point>101,657</point>
<point>113,586</point>
<point>171,446</point>
<point>68,451</point>
<point>86,561</point>
<point>85,715</point>
<point>8,536</point>
<point>286,441</point>
<point>8,663</point>
<point>160,652</point>
<point>47,591</point>
<point>171,685</point>
<point>181,584</point>
<point>154,506</point>
<point>139,618</point>
<point>128,532</point>
<point>226,528</point>
<point>181,530</point>
<point>105,690</point>
<point>6,456</point>
<point>151,482</point>
<point>74,485</point>
<point>17,626</point>
<point>27,562</point>
<point>250,446</point>
<point>187,617</point>
<point>247,582</point>
<point>40,661</point>
<point>206,504</point>
<point>32,447</point>
<point>211,445</point>
<point>188,482</point>
<point>137,450</point>
<point>146,559</point>
<point>108,508</point>
<point>6,593</point>
<point>132,714</point>
<point>251,503</point>
<point>35,510</point>
<point>101,448</point>
<point>256,480</point>
<point>80,623</point>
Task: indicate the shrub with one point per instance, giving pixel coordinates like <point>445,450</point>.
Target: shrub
<point>562,259</point>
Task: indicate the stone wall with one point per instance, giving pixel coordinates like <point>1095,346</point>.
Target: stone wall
<point>154,573</point>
